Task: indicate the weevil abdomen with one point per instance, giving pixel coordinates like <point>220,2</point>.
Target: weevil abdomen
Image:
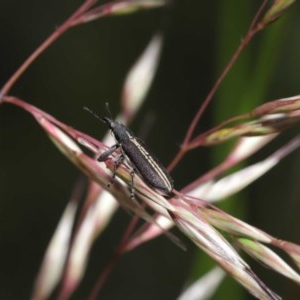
<point>150,168</point>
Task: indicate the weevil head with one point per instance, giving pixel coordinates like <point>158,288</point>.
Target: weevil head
<point>108,121</point>
<point>120,132</point>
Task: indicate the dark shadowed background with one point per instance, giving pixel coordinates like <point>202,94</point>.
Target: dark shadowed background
<point>87,67</point>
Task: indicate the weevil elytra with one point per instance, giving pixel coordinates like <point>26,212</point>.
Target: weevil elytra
<point>141,159</point>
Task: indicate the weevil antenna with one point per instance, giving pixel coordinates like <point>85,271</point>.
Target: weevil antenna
<point>108,110</point>
<point>94,114</point>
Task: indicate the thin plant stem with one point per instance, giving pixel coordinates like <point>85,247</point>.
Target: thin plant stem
<point>253,29</point>
<point>114,259</point>
<point>54,36</point>
<point>200,139</point>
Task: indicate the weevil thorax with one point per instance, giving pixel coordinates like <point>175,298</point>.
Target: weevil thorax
<point>120,132</point>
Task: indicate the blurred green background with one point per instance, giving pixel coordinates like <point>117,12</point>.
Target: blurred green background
<point>86,67</point>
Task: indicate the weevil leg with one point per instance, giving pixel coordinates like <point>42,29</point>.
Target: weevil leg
<point>117,163</point>
<point>104,156</point>
<point>132,190</point>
